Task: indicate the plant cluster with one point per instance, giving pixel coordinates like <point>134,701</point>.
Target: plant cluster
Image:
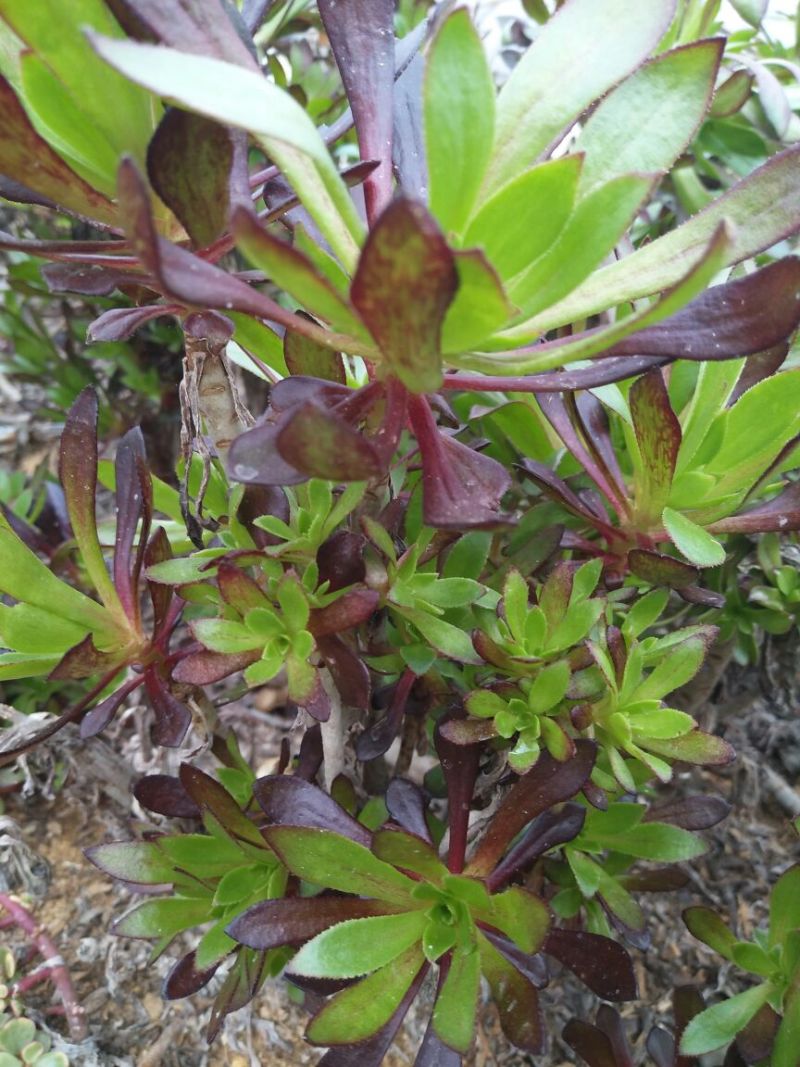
<point>518,424</point>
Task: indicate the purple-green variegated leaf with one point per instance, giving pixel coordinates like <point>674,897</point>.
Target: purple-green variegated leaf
<point>360,1011</point>
<point>173,717</point>
<point>210,795</point>
<point>82,661</point>
<point>405,281</point>
<point>205,667</point>
<point>305,357</point>
<point>349,610</point>
<point>139,862</point>
<point>658,436</point>
<point>240,590</point>
<point>294,920</point>
<point>188,163</point>
<point>361,33</point>
<point>778,515</point>
<point>660,569</point>
<point>185,979</point>
<point>165,795</point>
<point>550,829</point>
<point>321,444</point>
<point>293,802</point>
<point>694,747</point>
<point>546,784</point>
<point>690,813</point>
<point>516,997</point>
<point>600,963</point>
<point>240,985</point>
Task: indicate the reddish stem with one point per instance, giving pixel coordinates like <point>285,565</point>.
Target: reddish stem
<point>74,1012</point>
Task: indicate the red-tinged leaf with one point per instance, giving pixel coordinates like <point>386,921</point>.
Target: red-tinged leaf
<point>188,163</point>
<point>240,985</point>
<point>516,997</point>
<point>349,672</point>
<point>549,782</point>
<point>757,1040</point>
<point>534,967</point>
<point>557,412</point>
<point>658,435</point>
<point>434,1053</point>
<point>405,802</point>
<point>26,156</point>
<point>351,609</point>
<point>735,319</point>
<point>255,460</point>
<point>597,434</point>
<point>661,1047</point>
<point>85,279</point>
<point>408,142</point>
<point>210,795</point>
<point>82,661</point>
<point>600,963</point>
<point>460,487</point>
<point>403,286</point>
<point>778,515</point>
<point>205,668</point>
<point>341,559</point>
<point>184,979</point>
<point>550,829</point>
<point>78,475</point>
<point>134,500</point>
<point>591,1044</point>
<point>309,759</point>
<point>460,768</point>
<point>316,701</point>
<point>96,720</point>
<point>263,500</point>
<point>610,1023</point>
<point>694,747</point>
<point>690,813</point>
<point>659,569</point>
<point>305,357</point>
<point>655,880</point>
<point>468,731</point>
<point>557,489</point>
<point>165,795</point>
<point>201,27</point>
<point>361,33</point>
<point>173,718</point>
<point>293,802</point>
<point>239,589</point>
<point>118,324</point>
<point>322,445</point>
<point>294,920</point>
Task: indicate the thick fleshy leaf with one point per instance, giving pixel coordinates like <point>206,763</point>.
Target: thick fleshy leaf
<point>355,947</point>
<point>659,569</point>
<point>409,852</point>
<point>550,829</point>
<point>658,436</point>
<point>293,802</point>
<point>165,795</point>
<point>732,94</point>
<point>780,513</point>
<point>690,813</point>
<point>591,1044</point>
<point>480,305</point>
<point>529,115</point>
<point>306,357</point>
<point>455,1007</point>
<point>762,209</point>
<point>694,747</point>
<point>459,100</point>
<point>600,963</point>
<point>549,782</point>
<point>623,134</point>
<point>185,979</point>
<point>188,164</point>
<point>460,487</point>
<point>294,920</point>
<point>718,1025</point>
<point>692,540</point>
<point>361,33</point>
<point>784,906</point>
<point>516,997</point>
<point>322,445</point>
<point>709,928</point>
<point>405,281</point>
<point>361,1010</point>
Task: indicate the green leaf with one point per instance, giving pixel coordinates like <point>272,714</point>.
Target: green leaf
<point>787,1040</point>
<point>448,639</point>
<point>520,915</point>
<point>259,340</point>
<point>647,121</point>
<point>358,946</point>
<point>456,1004</point>
<point>163,918</point>
<point>644,613</point>
<point>240,97</point>
<point>530,114</point>
<point>752,11</point>
<point>28,629</point>
<point>784,906</point>
<point>458,102</point>
<point>328,859</point>
<point>120,110</point>
<point>405,850</point>
<point>677,665</point>
<point>480,305</point>
<point>550,686</point>
<point>467,557</point>
<point>655,841</point>
<point>521,221</point>
<point>692,540</point>
<point>717,1026</point>
<point>224,635</point>
<point>761,210</point>
<point>141,862</point>
<point>708,927</point>
<point>716,380</point>
<point>15,665</point>
<point>663,723</point>
<point>751,957</point>
<point>362,1009</point>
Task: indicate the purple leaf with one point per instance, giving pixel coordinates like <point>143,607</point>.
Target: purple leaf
<point>756,1041</point>
<point>134,501</point>
<point>361,33</point>
<point>254,457</point>
<point>517,1000</point>
<point>591,1044</point>
<point>272,923</point>
<point>26,156</point>
<point>602,372</point>
<point>778,515</point>
<point>96,720</point>
<point>460,765</point>
<point>690,813</point>
<point>293,802</point>
<point>310,757</point>
<point>661,1047</point>
<point>403,286</point>
<point>85,279</point>
<point>377,739</point>
<point>118,324</point>
<point>205,668</point>
<point>597,434</point>
<point>349,672</point>
<point>600,963</point>
<point>405,802</point>
<point>165,795</point>
<point>558,490</point>
<point>758,367</point>
<point>533,966</point>
<point>557,413</point>
<point>322,445</point>
<point>82,661</point>
<point>551,828</point>
<point>549,782</point>
<point>408,144</point>
<point>610,1022</point>
<point>173,718</point>
<point>341,559</point>
<point>201,27</point>
<point>240,985</point>
<point>655,880</point>
<point>434,1053</point>
<point>184,979</point>
<point>188,163</point>
<point>659,569</point>
<point>460,487</point>
<point>658,435</point>
<point>738,318</point>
